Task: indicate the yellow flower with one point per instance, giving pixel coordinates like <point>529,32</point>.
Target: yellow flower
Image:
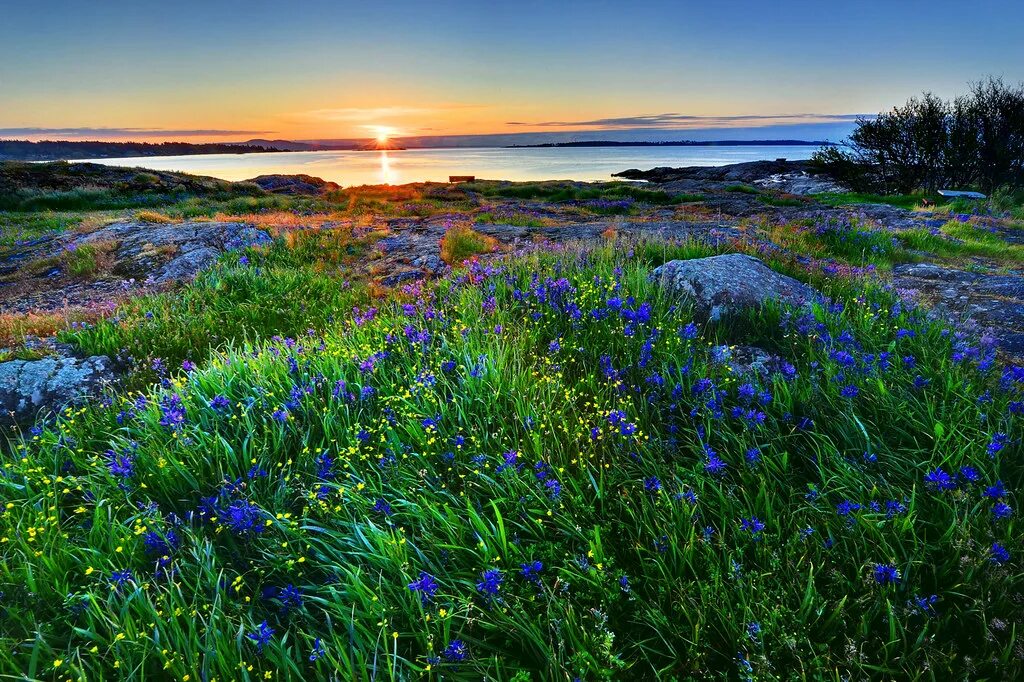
<point>58,663</point>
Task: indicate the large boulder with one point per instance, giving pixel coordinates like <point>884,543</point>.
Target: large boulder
<point>34,388</point>
<point>720,286</point>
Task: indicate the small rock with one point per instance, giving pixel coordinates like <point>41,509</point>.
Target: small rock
<point>34,388</point>
<point>720,286</point>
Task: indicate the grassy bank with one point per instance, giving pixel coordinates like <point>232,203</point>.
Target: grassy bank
<point>539,469</point>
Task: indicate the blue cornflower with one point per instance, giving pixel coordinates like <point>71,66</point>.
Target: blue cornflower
<point>995,492</point>
<point>1000,555</point>
<point>969,474</point>
<point>261,636</point>
<point>160,545</point>
<point>886,574</point>
<point>554,488</point>
<point>1001,511</point>
<point>754,631</point>
<point>715,466</point>
<point>381,506</point>
<point>491,583</point>
<point>425,585</point>
<point>753,456</point>
<point>219,403</point>
<point>456,651</point>
<point>122,466</point>
<point>119,579</point>
<point>242,517</point>
<point>998,442</point>
<point>924,605</point>
<point>624,583</point>
<point>939,480</point>
<point>652,484</point>
<point>531,571</point>
<point>753,525</point>
<point>290,598</point>
<point>318,650</point>
<point>849,391</point>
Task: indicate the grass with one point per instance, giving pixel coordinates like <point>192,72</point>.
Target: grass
<point>956,239</point>
<point>781,201</point>
<point>742,189</point>
<point>579,192</point>
<point>536,469</point>
<point>461,242</point>
<point>515,218</point>
<point>908,201</point>
<point>288,288</point>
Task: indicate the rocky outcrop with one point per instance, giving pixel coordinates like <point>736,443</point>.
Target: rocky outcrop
<point>737,172</point>
<point>993,301</point>
<point>305,185</point>
<point>35,388</point>
<point>721,286</point>
<point>169,252</point>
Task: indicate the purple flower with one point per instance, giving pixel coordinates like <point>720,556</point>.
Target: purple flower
<point>491,583</point>
<point>425,585</point>
<point>999,554</point>
<point>886,574</point>
<point>261,636</point>
<point>456,651</point>
<point>938,479</point>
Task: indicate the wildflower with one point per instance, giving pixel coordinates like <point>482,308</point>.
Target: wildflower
<point>381,506</point>
<point>1001,511</point>
<point>652,484</point>
<point>425,585</point>
<point>998,442</point>
<point>531,571</point>
<point>290,598</point>
<point>119,579</point>
<point>754,631</point>
<point>849,391</point>
<point>886,574</point>
<point>1000,555</point>
<point>261,636</point>
<point>491,583</point>
<point>318,650</point>
<point>122,466</point>
<point>995,492</point>
<point>456,651</point>
<point>624,583</point>
<point>173,412</point>
<point>939,480</point>
<point>242,517</point>
<point>924,605</point>
<point>219,403</point>
<point>753,525</point>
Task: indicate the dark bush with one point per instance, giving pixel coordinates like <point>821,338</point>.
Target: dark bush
<point>976,140</point>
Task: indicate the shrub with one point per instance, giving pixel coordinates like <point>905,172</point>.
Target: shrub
<point>461,243</point>
<point>927,143</point>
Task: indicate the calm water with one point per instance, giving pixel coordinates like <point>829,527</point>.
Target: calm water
<point>418,165</point>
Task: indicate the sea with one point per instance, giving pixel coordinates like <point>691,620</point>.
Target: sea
<point>349,168</point>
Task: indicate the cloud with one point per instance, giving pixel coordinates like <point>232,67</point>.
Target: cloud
<point>361,114</point>
<point>676,121</point>
<point>126,132</point>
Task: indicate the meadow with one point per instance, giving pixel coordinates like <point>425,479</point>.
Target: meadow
<point>542,466</point>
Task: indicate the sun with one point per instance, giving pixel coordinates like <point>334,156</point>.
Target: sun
<point>383,134</point>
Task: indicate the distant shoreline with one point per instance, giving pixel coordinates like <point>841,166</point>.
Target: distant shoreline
<point>680,143</point>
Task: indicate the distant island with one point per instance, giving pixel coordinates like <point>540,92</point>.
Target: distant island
<point>682,143</point>
<point>55,150</point>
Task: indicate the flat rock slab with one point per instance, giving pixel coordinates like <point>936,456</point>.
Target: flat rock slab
<point>32,388</point>
<point>173,251</point>
<point>994,301</point>
<point>721,286</point>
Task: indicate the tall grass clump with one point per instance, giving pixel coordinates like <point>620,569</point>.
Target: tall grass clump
<point>540,468</point>
<point>460,242</point>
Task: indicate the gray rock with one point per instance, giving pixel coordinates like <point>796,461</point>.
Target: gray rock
<point>171,252</point>
<point>721,286</point>
<point>34,388</point>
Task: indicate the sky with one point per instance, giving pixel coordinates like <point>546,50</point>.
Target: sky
<point>208,70</point>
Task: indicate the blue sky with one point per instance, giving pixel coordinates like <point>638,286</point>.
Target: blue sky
<point>218,70</point>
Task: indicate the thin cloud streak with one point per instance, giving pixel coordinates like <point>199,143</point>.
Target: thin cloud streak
<point>675,120</point>
<point>127,132</point>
